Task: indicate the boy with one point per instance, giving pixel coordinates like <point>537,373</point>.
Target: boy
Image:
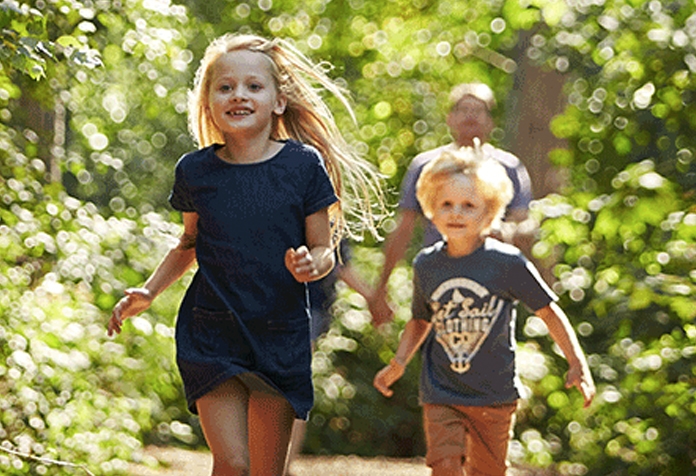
<point>465,291</point>
<point>470,117</point>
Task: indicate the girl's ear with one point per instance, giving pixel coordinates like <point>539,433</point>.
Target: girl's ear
<point>281,103</point>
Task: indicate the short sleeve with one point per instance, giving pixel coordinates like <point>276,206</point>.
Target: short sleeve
<point>529,287</point>
<point>522,186</point>
<point>408,198</point>
<point>320,191</point>
<point>180,198</point>
<point>420,308</point>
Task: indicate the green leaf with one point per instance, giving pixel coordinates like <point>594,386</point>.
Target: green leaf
<point>684,307</point>
<point>69,41</point>
<point>641,297</point>
<point>564,126</point>
<point>622,144</point>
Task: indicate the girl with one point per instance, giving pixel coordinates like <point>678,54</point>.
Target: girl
<point>262,203</point>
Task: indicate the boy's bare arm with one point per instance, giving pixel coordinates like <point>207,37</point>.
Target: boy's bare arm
<point>563,334</point>
<point>414,334</point>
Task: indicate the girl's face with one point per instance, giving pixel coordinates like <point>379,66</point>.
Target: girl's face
<point>459,212</point>
<point>243,95</point>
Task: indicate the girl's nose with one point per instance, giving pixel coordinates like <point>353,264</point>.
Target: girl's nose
<point>239,93</point>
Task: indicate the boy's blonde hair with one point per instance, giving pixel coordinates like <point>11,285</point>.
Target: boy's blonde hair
<point>480,91</point>
<point>489,177</point>
<point>307,119</point>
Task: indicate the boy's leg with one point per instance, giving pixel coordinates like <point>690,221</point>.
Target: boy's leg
<point>270,425</point>
<point>490,431</point>
<point>223,416</point>
<point>448,467</point>
<point>445,432</point>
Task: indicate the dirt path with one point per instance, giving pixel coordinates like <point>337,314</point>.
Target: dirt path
<point>179,462</point>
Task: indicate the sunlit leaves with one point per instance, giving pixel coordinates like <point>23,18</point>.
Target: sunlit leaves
<point>640,287</point>
<point>28,47</point>
<point>620,236</point>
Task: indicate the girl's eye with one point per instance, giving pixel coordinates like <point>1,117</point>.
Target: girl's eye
<point>255,87</point>
<point>225,88</point>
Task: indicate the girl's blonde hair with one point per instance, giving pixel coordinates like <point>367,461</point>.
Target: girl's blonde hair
<point>489,176</point>
<point>307,119</point>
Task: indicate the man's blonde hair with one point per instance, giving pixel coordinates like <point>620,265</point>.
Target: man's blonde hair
<point>489,177</point>
<point>307,119</point>
<point>480,91</point>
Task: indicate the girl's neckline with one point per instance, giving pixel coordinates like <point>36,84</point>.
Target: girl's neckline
<point>218,147</point>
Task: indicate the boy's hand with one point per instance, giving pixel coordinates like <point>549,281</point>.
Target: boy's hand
<point>579,376</point>
<point>135,301</point>
<point>301,264</point>
<point>386,377</point>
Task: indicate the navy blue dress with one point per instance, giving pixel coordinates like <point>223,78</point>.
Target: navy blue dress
<point>244,312</point>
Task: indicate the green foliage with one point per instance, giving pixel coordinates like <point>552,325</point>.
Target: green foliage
<point>28,45</point>
<point>68,392</point>
<point>350,416</point>
<point>622,237</point>
<point>93,118</point>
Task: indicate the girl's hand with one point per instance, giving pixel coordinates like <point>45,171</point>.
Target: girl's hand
<point>579,376</point>
<point>380,308</point>
<point>386,377</point>
<point>135,301</point>
<point>301,264</point>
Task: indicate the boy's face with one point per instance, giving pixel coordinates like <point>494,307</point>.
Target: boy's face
<point>470,118</point>
<point>459,211</point>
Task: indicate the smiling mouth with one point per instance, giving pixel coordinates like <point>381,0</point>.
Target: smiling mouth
<point>244,112</point>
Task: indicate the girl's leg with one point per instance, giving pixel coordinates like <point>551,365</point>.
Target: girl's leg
<point>224,415</point>
<point>299,430</point>
<point>270,426</point>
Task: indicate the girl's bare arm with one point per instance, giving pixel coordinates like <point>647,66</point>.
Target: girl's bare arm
<point>175,263</point>
<point>315,259</point>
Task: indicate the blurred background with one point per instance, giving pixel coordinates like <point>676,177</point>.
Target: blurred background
<point>596,97</point>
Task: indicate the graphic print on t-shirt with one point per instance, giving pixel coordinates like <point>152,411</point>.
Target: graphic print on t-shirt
<point>463,314</point>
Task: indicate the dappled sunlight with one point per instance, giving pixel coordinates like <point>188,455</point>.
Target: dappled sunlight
<point>93,104</point>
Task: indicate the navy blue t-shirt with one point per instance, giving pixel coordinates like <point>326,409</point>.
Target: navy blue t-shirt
<point>469,354</point>
<point>244,311</point>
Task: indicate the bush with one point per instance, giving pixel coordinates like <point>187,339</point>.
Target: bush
<point>68,392</point>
